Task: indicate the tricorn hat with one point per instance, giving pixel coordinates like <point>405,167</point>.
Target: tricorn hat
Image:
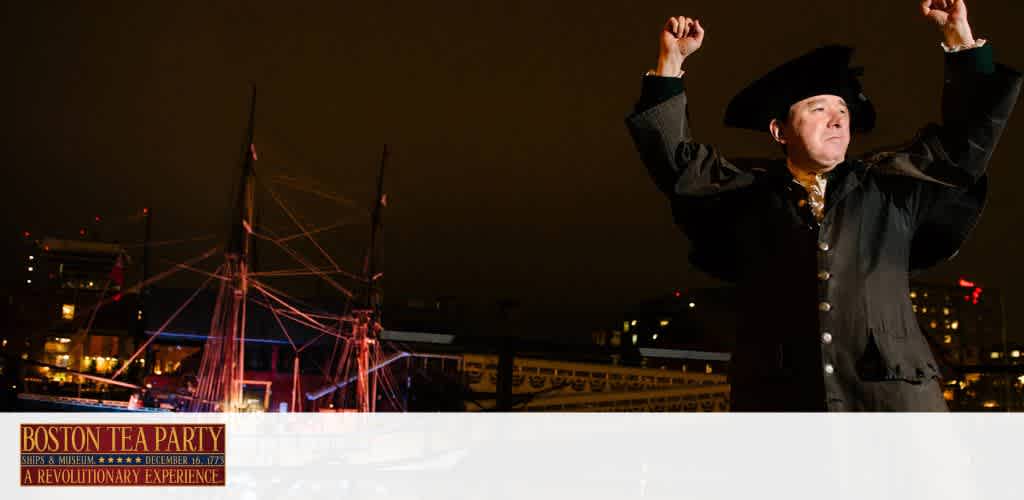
<point>825,70</point>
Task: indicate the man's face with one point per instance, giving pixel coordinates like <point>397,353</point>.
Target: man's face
<point>817,132</point>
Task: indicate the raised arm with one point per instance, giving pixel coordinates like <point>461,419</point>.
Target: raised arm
<point>977,99</point>
<point>660,126</point>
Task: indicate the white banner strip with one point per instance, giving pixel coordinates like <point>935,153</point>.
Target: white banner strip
<point>585,456</point>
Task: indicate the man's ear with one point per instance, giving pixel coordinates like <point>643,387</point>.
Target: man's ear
<point>775,128</point>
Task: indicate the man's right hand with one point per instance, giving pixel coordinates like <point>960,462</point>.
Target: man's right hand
<point>680,37</point>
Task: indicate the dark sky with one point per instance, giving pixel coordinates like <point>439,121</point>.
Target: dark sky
<point>512,174</point>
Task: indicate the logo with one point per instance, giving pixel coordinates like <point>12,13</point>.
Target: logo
<point>122,454</point>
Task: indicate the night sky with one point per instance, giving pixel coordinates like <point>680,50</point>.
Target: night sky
<point>512,174</point>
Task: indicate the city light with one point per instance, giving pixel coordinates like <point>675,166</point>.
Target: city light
<point>692,305</point>
<point>67,311</point>
<point>663,322</point>
<point>31,257</point>
<point>1014,353</point>
<point>30,269</point>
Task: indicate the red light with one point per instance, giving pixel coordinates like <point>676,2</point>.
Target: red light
<point>97,218</point>
<point>966,284</point>
<point>27,234</point>
<point>81,232</point>
<point>145,211</point>
<point>677,293</point>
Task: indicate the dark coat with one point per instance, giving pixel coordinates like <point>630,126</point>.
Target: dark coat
<point>827,318</point>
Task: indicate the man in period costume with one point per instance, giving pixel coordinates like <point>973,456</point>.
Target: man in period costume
<point>821,245</point>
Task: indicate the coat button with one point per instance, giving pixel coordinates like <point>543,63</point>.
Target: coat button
<point>823,246</point>
<point>824,275</point>
<point>829,369</point>
<point>824,307</point>
<point>826,338</point>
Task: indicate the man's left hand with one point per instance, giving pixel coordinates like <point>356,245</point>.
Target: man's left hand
<point>951,18</point>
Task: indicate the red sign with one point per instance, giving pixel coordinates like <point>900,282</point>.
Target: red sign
<point>122,454</point>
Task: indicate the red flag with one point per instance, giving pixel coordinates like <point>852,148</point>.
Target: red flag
<point>117,273</point>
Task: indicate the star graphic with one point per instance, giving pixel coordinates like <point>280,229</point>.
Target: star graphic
<point>119,460</point>
<point>102,460</point>
<point>138,460</point>
<point>110,460</point>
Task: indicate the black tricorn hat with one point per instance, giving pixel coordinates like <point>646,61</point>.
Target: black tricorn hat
<point>825,70</point>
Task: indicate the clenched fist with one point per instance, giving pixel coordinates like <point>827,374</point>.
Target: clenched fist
<point>951,18</point>
<point>680,37</point>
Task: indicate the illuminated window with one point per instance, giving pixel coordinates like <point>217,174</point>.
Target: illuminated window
<point>913,295</point>
<point>663,322</point>
<point>947,394</point>
<point>954,325</point>
<point>67,311</point>
<point>632,323</point>
<point>707,368</point>
<point>933,324</point>
<point>990,404</point>
<point>947,339</point>
<point>915,307</point>
<point>634,339</point>
<point>625,326</point>
<point>139,316</point>
<point>945,311</point>
<point>994,355</point>
<point>1014,353</point>
<point>924,310</point>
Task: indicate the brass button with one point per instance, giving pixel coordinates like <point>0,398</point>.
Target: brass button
<point>824,307</point>
<point>824,275</point>
<point>823,246</point>
<point>829,369</point>
<point>826,338</point>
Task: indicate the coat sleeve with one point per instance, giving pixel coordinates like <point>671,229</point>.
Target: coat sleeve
<point>948,162</point>
<point>694,176</point>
